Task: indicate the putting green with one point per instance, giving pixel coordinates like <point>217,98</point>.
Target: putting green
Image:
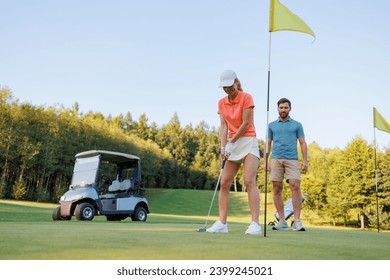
<point>28,232</point>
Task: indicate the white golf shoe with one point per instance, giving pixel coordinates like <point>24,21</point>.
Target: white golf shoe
<point>218,227</point>
<point>254,228</point>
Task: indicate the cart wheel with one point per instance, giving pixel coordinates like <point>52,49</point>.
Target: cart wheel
<point>271,224</point>
<point>140,214</point>
<point>85,211</point>
<point>57,214</point>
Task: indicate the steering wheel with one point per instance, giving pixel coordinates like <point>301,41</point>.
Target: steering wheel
<point>106,179</point>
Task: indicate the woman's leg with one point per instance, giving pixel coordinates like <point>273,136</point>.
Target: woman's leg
<point>229,171</point>
<point>251,164</point>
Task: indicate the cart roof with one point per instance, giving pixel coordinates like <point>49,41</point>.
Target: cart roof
<point>109,156</point>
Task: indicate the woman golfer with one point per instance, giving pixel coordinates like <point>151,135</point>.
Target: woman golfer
<point>238,145</point>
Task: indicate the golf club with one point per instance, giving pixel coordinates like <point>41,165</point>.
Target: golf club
<point>212,201</point>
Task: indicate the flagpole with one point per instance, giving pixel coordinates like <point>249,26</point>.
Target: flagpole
<point>266,148</point>
<point>376,182</point>
<point>280,18</point>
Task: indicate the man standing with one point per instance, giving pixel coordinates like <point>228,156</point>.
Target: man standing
<point>284,133</point>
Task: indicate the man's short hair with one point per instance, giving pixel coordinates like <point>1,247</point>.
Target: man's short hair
<point>284,100</point>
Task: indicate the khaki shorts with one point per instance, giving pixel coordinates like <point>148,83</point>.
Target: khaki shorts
<point>284,167</point>
<point>243,147</point>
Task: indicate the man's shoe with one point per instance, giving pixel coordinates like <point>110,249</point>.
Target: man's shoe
<point>254,228</point>
<point>298,226</point>
<point>218,227</point>
<point>282,225</point>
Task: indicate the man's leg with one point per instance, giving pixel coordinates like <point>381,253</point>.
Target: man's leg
<point>278,199</point>
<point>295,186</point>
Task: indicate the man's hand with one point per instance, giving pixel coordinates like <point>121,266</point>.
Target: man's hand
<point>304,166</point>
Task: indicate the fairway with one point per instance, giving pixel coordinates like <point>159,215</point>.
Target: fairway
<point>28,232</point>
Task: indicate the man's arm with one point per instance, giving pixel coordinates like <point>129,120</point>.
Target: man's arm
<point>267,151</point>
<point>302,143</point>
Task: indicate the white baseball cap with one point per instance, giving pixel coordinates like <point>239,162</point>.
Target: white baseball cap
<point>227,78</point>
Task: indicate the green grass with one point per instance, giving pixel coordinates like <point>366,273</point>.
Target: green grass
<point>28,232</point>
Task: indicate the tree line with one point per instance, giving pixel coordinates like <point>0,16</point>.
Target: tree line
<point>38,145</point>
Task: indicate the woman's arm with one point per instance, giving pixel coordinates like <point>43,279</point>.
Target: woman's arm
<point>246,118</point>
<point>223,131</point>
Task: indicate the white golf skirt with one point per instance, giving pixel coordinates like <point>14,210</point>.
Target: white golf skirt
<point>243,147</point>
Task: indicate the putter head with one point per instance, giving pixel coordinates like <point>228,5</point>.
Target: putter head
<point>201,230</point>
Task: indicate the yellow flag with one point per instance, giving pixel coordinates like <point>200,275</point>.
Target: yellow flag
<point>380,122</point>
<point>281,18</point>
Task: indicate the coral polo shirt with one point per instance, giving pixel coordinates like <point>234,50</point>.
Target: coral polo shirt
<point>232,112</point>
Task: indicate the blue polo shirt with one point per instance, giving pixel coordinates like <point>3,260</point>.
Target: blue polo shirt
<point>284,136</point>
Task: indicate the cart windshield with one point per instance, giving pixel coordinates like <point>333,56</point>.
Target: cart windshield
<point>85,171</point>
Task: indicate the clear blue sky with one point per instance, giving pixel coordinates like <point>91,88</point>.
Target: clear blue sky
<point>161,57</point>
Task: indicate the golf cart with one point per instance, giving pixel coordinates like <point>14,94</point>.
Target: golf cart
<point>104,183</point>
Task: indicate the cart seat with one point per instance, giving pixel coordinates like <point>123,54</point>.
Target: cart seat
<point>126,185</point>
<point>115,186</point>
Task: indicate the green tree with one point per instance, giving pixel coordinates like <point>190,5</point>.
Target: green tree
<point>353,180</point>
<point>144,128</point>
<point>315,181</point>
<point>383,163</point>
<point>6,136</point>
